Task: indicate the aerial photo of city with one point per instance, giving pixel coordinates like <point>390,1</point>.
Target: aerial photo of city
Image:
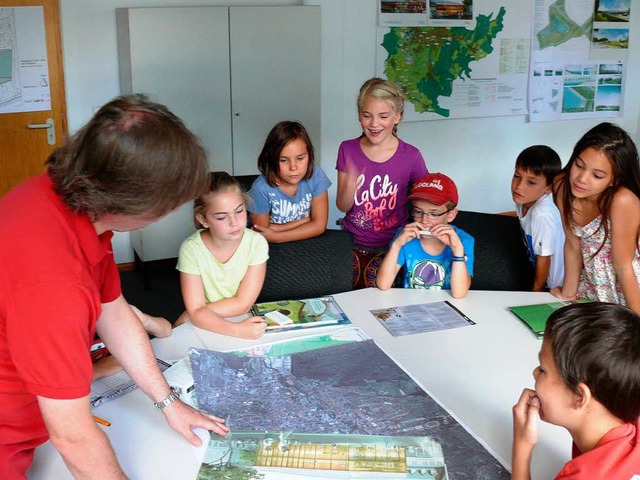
<point>353,388</point>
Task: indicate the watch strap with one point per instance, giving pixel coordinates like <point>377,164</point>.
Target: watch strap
<point>172,397</point>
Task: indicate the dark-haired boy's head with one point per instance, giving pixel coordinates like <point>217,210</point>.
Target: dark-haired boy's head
<point>598,344</point>
<point>540,160</point>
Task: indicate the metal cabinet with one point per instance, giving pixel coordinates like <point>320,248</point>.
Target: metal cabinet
<point>230,73</point>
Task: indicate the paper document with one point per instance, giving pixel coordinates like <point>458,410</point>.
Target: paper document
<point>113,386</point>
<point>426,317</point>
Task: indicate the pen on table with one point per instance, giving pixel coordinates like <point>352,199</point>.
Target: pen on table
<point>102,421</point>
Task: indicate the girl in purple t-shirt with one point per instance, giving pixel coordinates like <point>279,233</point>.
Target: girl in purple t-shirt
<point>375,172</point>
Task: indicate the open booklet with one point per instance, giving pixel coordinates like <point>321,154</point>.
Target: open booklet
<point>296,314</point>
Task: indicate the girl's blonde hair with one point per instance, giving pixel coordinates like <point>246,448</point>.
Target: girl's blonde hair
<point>218,182</point>
<point>383,90</point>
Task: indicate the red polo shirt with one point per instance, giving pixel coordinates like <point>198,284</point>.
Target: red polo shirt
<point>615,457</point>
<point>55,272</point>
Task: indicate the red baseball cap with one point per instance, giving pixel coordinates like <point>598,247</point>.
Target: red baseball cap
<point>434,188</point>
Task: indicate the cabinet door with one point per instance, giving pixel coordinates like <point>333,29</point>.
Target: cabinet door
<point>180,57</point>
<point>275,71</point>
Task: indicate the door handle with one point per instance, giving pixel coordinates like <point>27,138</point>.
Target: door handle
<point>51,129</point>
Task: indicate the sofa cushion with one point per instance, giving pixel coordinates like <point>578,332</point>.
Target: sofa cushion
<point>309,268</point>
<point>501,255</point>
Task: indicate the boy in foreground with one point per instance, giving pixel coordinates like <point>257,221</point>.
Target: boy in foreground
<point>588,382</point>
<point>433,253</point>
<point>536,166</point>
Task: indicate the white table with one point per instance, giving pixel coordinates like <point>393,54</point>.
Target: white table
<point>476,372</point>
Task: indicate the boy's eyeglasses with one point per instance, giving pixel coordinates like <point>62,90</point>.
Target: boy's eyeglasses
<point>419,214</point>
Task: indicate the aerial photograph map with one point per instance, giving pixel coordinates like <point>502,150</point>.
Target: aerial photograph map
<point>352,389</point>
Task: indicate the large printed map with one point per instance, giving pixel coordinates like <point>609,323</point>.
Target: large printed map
<point>562,27</point>
<point>349,388</point>
<point>461,71</point>
<point>425,61</point>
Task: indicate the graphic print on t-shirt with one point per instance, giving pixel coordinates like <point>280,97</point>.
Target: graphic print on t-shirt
<point>284,210</point>
<point>378,198</point>
<point>428,274</point>
<point>528,240</point>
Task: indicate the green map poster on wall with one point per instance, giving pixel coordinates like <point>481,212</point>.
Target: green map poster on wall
<point>477,70</point>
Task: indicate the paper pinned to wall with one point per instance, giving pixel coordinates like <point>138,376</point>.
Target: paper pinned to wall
<point>24,70</point>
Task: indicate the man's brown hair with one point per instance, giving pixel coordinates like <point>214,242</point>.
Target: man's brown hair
<point>133,157</point>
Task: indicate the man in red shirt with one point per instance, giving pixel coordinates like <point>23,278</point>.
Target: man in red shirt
<point>130,165</point>
<point>588,381</point>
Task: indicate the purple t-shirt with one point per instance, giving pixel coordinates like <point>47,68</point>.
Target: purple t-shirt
<point>379,201</point>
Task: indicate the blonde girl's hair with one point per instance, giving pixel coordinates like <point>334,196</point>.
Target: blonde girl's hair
<point>218,183</point>
<point>383,90</point>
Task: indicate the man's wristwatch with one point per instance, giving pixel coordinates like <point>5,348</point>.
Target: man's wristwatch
<point>463,258</point>
<point>173,396</point>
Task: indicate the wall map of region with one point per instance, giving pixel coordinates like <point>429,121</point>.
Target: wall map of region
<point>350,389</point>
<point>424,61</point>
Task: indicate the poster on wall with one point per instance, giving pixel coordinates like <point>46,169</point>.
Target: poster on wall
<point>577,70</point>
<point>421,13</point>
<point>408,13</point>
<point>24,72</point>
<point>611,25</point>
<point>476,70</point>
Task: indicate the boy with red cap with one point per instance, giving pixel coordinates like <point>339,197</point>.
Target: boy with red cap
<point>433,253</point>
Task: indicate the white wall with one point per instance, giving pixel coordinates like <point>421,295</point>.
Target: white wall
<point>477,153</point>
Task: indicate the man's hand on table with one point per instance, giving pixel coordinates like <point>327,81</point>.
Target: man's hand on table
<point>182,418</point>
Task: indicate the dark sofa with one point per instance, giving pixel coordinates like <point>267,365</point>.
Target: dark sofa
<point>501,256</point>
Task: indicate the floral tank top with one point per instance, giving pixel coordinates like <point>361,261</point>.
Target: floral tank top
<point>598,280</point>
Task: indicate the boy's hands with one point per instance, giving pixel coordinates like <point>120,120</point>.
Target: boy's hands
<point>443,232</point>
<point>447,235</point>
<point>408,233</point>
<point>525,434</point>
<point>525,419</point>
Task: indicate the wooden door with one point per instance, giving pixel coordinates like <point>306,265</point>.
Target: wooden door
<point>23,151</point>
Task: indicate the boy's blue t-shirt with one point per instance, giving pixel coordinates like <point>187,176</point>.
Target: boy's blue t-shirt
<point>282,207</point>
<point>422,270</point>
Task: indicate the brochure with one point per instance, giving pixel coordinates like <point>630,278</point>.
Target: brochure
<point>535,316</point>
<point>426,317</point>
<point>296,314</point>
<point>115,385</point>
